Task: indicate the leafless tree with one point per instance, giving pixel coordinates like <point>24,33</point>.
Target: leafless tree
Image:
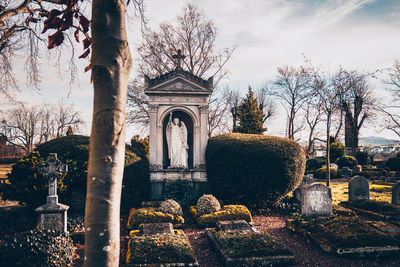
<point>266,104</point>
<point>195,34</point>
<point>358,104</point>
<point>29,126</point>
<point>391,110</point>
<point>293,88</point>
<point>313,117</point>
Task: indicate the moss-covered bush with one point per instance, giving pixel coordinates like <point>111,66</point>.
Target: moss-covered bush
<point>381,207</point>
<point>170,206</point>
<point>27,185</point>
<point>347,161</point>
<point>37,248</point>
<point>228,213</point>
<point>150,215</point>
<point>336,150</point>
<point>253,169</point>
<point>158,249</point>
<point>315,163</point>
<point>207,204</point>
<point>321,173</point>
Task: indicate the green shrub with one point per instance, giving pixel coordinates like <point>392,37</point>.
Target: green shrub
<point>27,185</point>
<point>156,249</point>
<point>362,157</point>
<point>393,163</point>
<point>181,191</point>
<point>37,248</point>
<point>336,150</point>
<point>207,204</point>
<point>381,207</point>
<point>150,215</point>
<point>228,213</point>
<point>347,161</point>
<point>237,244</point>
<point>172,207</point>
<point>253,169</point>
<point>315,163</point>
<point>321,173</point>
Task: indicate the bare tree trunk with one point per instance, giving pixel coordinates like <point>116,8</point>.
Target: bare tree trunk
<point>111,63</point>
<point>328,160</point>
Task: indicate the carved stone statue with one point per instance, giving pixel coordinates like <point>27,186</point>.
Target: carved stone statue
<point>176,133</point>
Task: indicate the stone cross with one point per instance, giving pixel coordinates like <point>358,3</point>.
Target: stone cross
<point>52,169</point>
<point>179,58</point>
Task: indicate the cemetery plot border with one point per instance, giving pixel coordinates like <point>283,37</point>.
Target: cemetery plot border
<point>349,236</point>
<point>151,215</point>
<point>374,209</point>
<point>278,253</point>
<point>160,250</point>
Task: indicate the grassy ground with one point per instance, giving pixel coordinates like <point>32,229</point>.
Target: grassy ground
<point>340,192</point>
<point>4,169</point>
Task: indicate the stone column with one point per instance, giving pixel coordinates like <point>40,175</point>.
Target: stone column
<point>203,133</point>
<point>153,135</point>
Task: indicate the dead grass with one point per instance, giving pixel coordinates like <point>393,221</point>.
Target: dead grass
<point>340,192</point>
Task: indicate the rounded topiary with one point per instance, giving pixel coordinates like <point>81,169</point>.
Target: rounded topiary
<point>362,157</point>
<point>347,161</point>
<point>253,169</point>
<point>37,248</point>
<point>172,207</point>
<point>207,204</point>
<point>315,163</point>
<point>393,163</point>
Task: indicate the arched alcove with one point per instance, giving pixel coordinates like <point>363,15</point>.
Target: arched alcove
<point>187,119</point>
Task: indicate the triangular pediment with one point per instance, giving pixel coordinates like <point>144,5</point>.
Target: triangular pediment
<point>178,84</point>
<point>178,81</point>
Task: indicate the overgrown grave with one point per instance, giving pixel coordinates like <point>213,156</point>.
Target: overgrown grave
<point>153,241</point>
<point>340,232</point>
<point>239,244</point>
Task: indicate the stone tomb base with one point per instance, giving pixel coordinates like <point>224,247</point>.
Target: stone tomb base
<point>159,179</point>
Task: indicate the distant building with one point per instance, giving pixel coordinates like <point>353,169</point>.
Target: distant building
<point>9,152</point>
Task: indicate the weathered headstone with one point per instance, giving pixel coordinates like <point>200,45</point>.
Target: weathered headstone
<point>308,179</point>
<point>346,172</point>
<point>238,225</point>
<point>358,188</point>
<point>157,228</point>
<point>316,200</point>
<point>52,215</point>
<point>396,193</point>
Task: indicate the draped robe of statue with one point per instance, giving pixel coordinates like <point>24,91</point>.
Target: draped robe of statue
<point>177,143</point>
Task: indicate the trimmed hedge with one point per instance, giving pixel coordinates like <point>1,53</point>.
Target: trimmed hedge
<point>393,163</point>
<point>150,215</point>
<point>253,169</point>
<point>29,186</point>
<point>315,163</point>
<point>228,213</point>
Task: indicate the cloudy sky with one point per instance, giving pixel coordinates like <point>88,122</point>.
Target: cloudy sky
<point>356,34</point>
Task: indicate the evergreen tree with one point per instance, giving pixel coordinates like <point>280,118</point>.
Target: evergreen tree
<point>249,116</point>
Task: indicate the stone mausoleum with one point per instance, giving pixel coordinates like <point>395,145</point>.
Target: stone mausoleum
<point>179,98</point>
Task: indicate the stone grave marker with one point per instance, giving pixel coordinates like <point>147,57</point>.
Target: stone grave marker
<point>316,200</point>
<point>52,215</point>
<point>358,188</point>
<point>238,225</point>
<point>157,228</point>
<point>346,172</point>
<point>396,193</point>
<point>308,179</point>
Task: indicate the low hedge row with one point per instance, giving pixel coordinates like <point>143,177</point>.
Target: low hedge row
<point>160,249</point>
<point>228,213</point>
<point>151,215</point>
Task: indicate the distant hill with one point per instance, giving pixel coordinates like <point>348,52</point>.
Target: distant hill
<point>374,140</point>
